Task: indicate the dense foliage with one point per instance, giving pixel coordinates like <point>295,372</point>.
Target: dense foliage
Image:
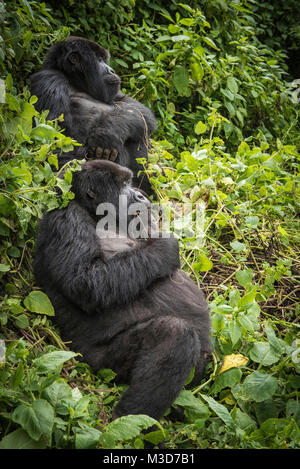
<point>215,73</point>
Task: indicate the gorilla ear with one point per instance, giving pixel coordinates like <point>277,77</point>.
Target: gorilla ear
<point>73,58</point>
<point>90,194</point>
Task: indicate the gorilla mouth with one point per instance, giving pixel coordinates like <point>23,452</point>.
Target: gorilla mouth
<point>112,81</point>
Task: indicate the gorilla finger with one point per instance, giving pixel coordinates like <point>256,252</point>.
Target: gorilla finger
<point>106,154</point>
<point>113,154</point>
<point>99,152</point>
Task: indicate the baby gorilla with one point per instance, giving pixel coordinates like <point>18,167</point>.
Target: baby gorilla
<point>125,304</point>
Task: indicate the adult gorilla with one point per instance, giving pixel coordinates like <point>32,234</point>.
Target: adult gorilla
<point>125,306</point>
<point>77,81</point>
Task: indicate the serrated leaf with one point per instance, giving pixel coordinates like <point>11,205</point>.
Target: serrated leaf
<point>262,353</point>
<point>128,427</point>
<point>87,438</point>
<point>19,439</point>
<point>37,419</point>
<point>52,362</point>
<point>227,380</point>
<point>259,386</point>
<point>38,302</point>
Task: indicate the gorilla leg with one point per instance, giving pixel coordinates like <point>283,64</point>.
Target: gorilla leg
<point>169,350</point>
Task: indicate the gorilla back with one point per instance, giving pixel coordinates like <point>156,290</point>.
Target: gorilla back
<point>77,81</point>
<point>125,306</point>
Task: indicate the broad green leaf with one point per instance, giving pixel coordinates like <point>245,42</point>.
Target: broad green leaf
<point>38,302</point>
<point>237,246</point>
<point>259,386</point>
<point>262,353</point>
<point>227,379</point>
<point>181,79</point>
<point>128,427</point>
<point>232,85</point>
<point>248,298</point>
<point>187,399</point>
<point>87,438</point>
<point>19,439</point>
<point>252,221</point>
<point>52,362</point>
<point>59,395</point>
<point>200,128</point>
<point>244,277</point>
<point>203,263</point>
<point>37,419</point>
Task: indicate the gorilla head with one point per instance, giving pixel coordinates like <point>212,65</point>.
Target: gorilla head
<point>101,181</point>
<point>75,57</point>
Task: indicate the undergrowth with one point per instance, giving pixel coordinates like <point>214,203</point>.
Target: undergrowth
<point>227,152</point>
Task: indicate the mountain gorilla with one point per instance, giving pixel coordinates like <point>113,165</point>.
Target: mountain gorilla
<point>124,305</point>
<point>77,81</point>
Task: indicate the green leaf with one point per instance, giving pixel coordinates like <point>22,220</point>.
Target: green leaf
<point>227,379</point>
<point>220,411</point>
<point>181,79</point>
<point>87,438</point>
<point>203,263</point>
<point>200,128</point>
<point>252,221</point>
<point>235,332</point>
<point>244,277</point>
<point>59,395</point>
<point>52,362</point>
<point>37,419</point>
<point>38,302</point>
<point>237,246</point>
<point>259,386</point>
<point>248,298</point>
<point>232,85</point>
<point>187,399</point>
<point>262,353</point>
<point>128,427</point>
<point>19,439</point>
<point>4,268</point>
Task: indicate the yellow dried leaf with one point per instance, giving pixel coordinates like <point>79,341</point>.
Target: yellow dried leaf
<point>233,361</point>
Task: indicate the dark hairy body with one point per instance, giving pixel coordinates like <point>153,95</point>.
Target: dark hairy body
<point>77,81</point>
<point>125,305</point>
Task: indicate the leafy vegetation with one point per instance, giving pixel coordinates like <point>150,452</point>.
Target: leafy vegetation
<point>227,148</point>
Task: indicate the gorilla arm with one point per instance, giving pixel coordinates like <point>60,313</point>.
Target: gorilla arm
<point>73,262</point>
<point>126,121</point>
<point>52,89</point>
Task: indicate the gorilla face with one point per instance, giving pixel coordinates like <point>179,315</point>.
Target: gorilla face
<point>85,65</point>
<point>102,181</point>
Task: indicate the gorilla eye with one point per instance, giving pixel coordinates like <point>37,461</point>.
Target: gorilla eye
<point>73,58</point>
<point>91,194</point>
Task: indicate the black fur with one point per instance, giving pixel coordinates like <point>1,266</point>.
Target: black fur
<point>134,311</point>
<point>77,81</point>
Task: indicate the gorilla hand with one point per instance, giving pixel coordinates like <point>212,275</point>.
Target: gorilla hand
<point>103,145</point>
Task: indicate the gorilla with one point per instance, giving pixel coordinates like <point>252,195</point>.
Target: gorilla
<point>123,302</point>
<point>77,81</point>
